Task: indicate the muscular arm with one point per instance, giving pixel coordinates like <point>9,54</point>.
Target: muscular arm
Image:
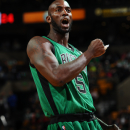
<point>41,56</point>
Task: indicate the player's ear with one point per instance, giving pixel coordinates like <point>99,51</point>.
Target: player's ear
<point>48,19</point>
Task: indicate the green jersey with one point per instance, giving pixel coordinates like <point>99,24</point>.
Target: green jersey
<point>73,97</point>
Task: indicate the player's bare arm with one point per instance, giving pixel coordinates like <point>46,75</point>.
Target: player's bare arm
<point>39,51</point>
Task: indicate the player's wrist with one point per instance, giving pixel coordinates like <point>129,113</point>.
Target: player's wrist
<point>88,55</point>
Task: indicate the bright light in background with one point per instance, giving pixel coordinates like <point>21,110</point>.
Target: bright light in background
<point>3,120</point>
<point>40,16</point>
<point>11,18</point>
<point>6,18</point>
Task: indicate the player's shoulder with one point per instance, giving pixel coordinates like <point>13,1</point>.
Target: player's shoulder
<point>38,43</point>
<point>38,40</point>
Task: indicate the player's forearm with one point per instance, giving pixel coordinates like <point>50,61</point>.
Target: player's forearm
<point>66,72</point>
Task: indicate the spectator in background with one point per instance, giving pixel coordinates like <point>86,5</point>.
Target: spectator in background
<point>3,73</point>
<point>12,102</point>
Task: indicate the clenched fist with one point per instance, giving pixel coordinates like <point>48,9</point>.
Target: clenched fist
<point>96,48</point>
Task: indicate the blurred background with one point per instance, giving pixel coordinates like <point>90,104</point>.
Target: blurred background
<point>109,75</point>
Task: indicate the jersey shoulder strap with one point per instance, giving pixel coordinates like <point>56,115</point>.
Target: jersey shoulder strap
<point>52,42</point>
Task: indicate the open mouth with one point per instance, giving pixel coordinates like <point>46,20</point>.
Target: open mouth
<point>65,22</point>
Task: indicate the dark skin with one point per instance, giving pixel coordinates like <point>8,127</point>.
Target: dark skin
<point>39,49</point>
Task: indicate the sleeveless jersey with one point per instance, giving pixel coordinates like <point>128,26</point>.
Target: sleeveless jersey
<point>73,97</point>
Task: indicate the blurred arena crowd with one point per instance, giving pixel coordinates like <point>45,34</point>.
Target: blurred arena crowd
<point>19,103</point>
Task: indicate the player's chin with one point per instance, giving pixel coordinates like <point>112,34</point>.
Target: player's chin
<point>66,30</point>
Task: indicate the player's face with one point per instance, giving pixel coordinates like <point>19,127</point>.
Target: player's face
<point>61,16</point>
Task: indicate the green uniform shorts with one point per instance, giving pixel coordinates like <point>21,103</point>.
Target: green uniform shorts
<point>76,125</point>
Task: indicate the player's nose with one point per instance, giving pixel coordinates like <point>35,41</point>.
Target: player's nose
<point>64,12</point>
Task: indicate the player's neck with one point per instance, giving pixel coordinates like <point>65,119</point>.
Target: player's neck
<point>59,38</point>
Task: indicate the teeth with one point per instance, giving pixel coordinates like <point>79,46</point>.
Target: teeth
<point>65,19</point>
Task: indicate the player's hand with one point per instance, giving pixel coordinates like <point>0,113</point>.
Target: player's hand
<point>97,48</point>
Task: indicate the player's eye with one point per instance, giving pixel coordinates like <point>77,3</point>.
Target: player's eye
<point>58,10</point>
<point>68,10</point>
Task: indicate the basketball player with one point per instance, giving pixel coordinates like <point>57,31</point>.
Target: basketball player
<point>59,71</point>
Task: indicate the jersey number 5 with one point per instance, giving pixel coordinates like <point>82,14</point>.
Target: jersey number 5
<point>80,83</point>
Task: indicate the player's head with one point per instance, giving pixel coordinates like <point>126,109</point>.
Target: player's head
<point>60,16</point>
